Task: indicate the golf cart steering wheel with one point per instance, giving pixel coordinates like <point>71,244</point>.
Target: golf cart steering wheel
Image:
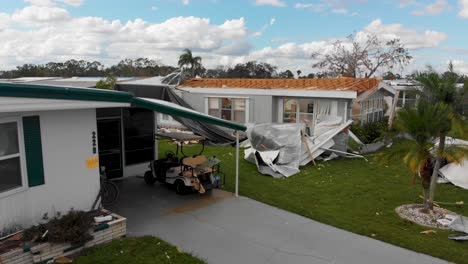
<point>170,154</point>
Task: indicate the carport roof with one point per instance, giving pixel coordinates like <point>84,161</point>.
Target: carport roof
<point>99,95</point>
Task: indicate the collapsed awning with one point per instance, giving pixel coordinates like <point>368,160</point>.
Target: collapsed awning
<point>211,132</point>
<point>99,95</point>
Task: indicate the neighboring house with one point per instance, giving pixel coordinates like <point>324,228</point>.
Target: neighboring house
<point>374,104</point>
<point>54,139</point>
<point>281,100</point>
<point>404,92</point>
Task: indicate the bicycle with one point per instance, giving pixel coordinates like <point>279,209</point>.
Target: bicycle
<point>108,191</point>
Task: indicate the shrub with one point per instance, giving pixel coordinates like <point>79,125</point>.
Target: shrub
<point>370,132</point>
<point>72,227</point>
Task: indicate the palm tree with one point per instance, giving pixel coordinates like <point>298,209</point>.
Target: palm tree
<point>439,90</point>
<point>418,125</point>
<point>187,59</point>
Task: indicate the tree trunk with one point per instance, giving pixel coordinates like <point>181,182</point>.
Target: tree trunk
<point>435,174</point>
<point>426,183</point>
<point>426,199</point>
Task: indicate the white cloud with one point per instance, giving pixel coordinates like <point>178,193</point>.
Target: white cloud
<point>432,9</point>
<point>332,6</point>
<point>317,8</point>
<point>303,5</point>
<point>4,21</point>
<point>405,3</point>
<point>463,8</point>
<point>185,2</point>
<point>72,2</point>
<point>460,66</point>
<point>272,21</point>
<point>340,11</point>
<point>279,40</point>
<point>277,3</point>
<point>31,15</point>
<point>411,38</point>
<point>265,27</point>
<point>48,3</point>
<point>294,55</point>
<point>51,3</point>
<point>38,34</point>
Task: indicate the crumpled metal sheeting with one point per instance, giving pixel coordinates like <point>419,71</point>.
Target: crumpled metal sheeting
<point>283,138</point>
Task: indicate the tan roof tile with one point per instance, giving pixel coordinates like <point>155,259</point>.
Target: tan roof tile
<point>340,84</point>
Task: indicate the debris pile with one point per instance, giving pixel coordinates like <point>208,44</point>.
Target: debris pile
<point>280,149</point>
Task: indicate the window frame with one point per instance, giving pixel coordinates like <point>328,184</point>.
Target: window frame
<point>298,109</point>
<point>21,155</point>
<point>221,109</point>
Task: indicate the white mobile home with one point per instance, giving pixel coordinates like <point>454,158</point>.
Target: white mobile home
<point>49,149</point>
<point>48,160</point>
<point>282,100</point>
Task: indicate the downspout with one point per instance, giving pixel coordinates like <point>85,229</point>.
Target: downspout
<point>237,164</point>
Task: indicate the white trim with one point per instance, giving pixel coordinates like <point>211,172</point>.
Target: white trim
<point>247,110</point>
<point>346,111</point>
<point>273,92</point>
<point>207,105</point>
<point>232,97</point>
<point>280,110</point>
<point>237,164</point>
<point>21,155</point>
<point>17,104</point>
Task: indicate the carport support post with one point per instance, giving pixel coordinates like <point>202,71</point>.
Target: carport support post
<point>237,163</point>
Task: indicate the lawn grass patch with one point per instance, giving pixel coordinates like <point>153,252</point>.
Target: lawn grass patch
<point>142,250</point>
<point>351,194</point>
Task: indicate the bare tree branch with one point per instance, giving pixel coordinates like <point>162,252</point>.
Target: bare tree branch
<point>362,57</point>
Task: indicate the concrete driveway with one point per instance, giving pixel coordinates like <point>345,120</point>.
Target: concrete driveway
<point>223,229</point>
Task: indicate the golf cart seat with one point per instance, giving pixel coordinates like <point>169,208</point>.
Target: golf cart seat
<point>194,166</point>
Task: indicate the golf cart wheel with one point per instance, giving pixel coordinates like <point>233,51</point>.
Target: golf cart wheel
<point>180,187</point>
<point>149,179</point>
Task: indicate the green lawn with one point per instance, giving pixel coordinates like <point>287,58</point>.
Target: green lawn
<point>351,194</point>
<point>144,250</point>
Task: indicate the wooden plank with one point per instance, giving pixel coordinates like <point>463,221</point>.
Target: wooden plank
<point>304,140</point>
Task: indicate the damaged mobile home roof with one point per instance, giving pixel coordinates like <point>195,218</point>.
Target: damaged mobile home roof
<point>109,96</point>
<point>358,85</point>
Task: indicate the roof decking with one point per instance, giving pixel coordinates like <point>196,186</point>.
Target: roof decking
<point>339,84</point>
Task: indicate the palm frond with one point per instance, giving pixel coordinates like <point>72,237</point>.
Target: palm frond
<point>455,153</point>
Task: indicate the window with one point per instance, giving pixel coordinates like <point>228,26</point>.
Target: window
<point>289,110</point>
<point>298,111</point>
<point>410,98</point>
<point>306,111</point>
<point>233,109</point>
<point>10,157</point>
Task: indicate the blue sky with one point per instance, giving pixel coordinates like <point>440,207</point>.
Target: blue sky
<point>225,32</point>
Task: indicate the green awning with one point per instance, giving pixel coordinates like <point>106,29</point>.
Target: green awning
<point>100,95</point>
<point>64,93</point>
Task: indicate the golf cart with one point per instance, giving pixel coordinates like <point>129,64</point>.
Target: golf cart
<point>188,173</point>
